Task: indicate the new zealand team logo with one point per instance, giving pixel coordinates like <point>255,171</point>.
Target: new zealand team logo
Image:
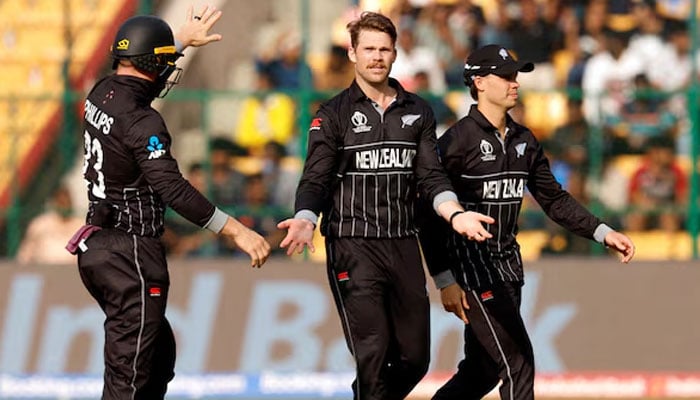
<point>155,147</point>
<point>360,121</point>
<point>487,150</point>
<point>409,119</point>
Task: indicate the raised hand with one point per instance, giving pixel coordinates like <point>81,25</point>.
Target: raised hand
<point>195,31</point>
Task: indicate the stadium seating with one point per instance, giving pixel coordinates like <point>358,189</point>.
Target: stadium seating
<point>249,165</point>
<point>34,46</point>
<point>662,245</point>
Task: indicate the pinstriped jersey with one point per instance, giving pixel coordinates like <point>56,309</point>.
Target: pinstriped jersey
<point>128,168</point>
<point>365,165</point>
<point>490,176</point>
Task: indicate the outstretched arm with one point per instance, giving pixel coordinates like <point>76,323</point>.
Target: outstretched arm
<point>195,31</point>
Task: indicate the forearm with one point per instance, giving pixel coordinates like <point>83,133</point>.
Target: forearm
<point>187,201</point>
<point>307,215</point>
<point>433,233</point>
<point>218,221</point>
<point>311,196</point>
<point>445,206</point>
<point>444,279</point>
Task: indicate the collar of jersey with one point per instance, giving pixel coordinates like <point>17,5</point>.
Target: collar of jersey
<point>142,89</point>
<point>356,94</point>
<point>486,126</point>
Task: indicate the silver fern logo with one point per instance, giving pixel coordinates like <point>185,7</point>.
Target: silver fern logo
<point>409,119</point>
<point>520,149</point>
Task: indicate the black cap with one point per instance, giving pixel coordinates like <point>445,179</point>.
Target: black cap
<point>493,59</point>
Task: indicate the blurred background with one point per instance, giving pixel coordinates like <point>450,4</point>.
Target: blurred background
<point>613,99</point>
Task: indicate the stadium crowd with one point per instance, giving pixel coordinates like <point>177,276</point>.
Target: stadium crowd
<point>607,98</point>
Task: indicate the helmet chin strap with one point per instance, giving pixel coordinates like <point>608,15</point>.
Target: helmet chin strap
<point>168,77</point>
<point>164,76</point>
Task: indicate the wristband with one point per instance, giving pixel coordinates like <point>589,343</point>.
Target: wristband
<point>454,214</point>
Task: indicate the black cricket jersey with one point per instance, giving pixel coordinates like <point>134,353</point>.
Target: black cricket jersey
<point>129,170</point>
<point>364,167</point>
<point>490,176</point>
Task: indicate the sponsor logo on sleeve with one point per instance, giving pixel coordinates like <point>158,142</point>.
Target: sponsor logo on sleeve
<point>155,147</point>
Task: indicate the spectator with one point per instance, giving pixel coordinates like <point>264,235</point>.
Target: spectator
<point>412,58</point>
<point>287,69</point>
<point>592,35</point>
<point>280,181</point>
<point>257,213</point>
<point>620,16</point>
<point>677,58</point>
<point>495,29</point>
<point>535,39</point>
<point>676,76</point>
<point>608,76</point>
<point>265,116</point>
<point>444,116</point>
<point>657,190</point>
<point>338,72</point>
<point>647,42</point>
<point>589,38</point>
<point>448,40</point>
<point>471,17</point>
<point>47,234</point>
<point>642,117</point>
<point>674,9</point>
<point>569,144</point>
<point>567,149</point>
<point>400,9</point>
<point>224,183</point>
